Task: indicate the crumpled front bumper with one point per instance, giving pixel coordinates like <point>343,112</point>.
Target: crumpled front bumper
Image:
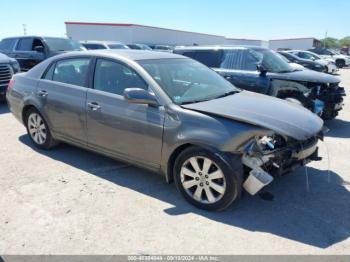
<point>333,102</point>
<point>262,168</point>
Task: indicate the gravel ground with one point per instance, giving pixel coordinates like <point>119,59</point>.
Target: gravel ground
<point>70,201</point>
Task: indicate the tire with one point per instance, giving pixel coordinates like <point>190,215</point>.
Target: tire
<point>38,130</point>
<point>340,63</point>
<point>213,184</point>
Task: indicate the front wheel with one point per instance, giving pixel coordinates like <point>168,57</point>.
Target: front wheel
<point>206,180</point>
<point>38,130</point>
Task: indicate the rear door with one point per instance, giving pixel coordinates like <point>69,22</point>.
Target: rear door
<point>129,131</point>
<point>62,93</point>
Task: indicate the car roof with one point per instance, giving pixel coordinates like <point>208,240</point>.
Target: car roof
<point>219,47</point>
<point>130,54</point>
<point>100,42</point>
<point>34,36</point>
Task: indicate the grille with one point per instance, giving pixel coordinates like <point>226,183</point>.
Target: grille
<point>5,75</point>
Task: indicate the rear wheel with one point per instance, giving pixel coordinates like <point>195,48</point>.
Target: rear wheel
<point>38,130</point>
<point>206,180</point>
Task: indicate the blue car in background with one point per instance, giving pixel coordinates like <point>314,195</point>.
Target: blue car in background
<point>263,71</point>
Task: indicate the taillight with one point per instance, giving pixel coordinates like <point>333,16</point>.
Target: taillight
<point>10,85</point>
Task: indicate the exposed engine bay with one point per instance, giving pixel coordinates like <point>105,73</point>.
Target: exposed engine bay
<point>265,158</point>
<point>326,100</point>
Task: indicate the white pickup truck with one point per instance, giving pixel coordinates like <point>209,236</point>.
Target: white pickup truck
<point>339,59</point>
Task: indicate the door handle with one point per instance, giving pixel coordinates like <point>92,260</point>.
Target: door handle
<point>42,93</point>
<point>94,106</point>
<point>228,77</point>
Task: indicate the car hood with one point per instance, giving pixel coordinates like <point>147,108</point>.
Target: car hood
<point>285,118</point>
<point>4,58</point>
<point>306,76</point>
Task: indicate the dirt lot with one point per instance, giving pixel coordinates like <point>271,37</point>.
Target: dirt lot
<point>72,201</point>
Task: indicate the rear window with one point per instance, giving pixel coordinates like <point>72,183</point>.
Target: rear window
<point>94,46</point>
<point>8,44</point>
<point>118,46</point>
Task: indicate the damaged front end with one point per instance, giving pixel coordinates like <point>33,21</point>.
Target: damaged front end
<point>325,100</point>
<point>265,158</point>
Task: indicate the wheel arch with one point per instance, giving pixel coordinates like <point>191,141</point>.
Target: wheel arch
<point>180,148</point>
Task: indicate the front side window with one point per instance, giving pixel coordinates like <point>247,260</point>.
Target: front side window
<point>187,81</point>
<point>25,44</point>
<point>270,60</point>
<point>113,77</point>
<point>72,71</point>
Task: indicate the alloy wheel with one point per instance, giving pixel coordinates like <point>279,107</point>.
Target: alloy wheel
<point>203,180</point>
<point>37,128</point>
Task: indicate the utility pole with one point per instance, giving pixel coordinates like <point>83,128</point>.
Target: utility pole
<point>24,29</point>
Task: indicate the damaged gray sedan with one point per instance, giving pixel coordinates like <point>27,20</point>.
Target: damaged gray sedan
<point>169,114</point>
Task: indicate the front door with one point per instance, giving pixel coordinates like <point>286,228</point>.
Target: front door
<point>25,54</point>
<point>130,131</point>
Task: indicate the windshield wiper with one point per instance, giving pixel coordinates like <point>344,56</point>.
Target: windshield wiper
<point>194,101</point>
<point>227,94</point>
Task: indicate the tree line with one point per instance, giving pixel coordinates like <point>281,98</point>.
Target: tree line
<point>331,42</point>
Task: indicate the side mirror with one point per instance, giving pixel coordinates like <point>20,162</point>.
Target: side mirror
<point>39,49</point>
<point>140,96</point>
<point>261,69</point>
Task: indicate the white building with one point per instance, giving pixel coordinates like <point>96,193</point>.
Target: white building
<point>133,33</point>
<point>242,41</point>
<point>294,43</point>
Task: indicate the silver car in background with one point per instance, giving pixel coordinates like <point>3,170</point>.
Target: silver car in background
<point>169,114</point>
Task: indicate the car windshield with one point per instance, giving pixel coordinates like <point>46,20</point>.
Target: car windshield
<point>62,44</point>
<point>186,81</point>
<point>310,55</point>
<point>117,46</point>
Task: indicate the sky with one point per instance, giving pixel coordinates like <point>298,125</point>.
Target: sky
<point>254,19</point>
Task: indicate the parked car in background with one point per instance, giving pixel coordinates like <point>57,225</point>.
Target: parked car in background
<point>93,45</point>
<point>139,47</point>
<point>162,48</point>
<point>295,66</point>
<point>328,63</point>
<point>309,64</point>
<point>261,70</point>
<point>339,59</point>
<point>8,67</point>
<point>31,50</point>
<point>145,108</point>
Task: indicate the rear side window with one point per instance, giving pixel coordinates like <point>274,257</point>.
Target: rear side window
<point>113,77</point>
<point>8,44</point>
<point>232,59</point>
<point>210,58</point>
<point>25,44</point>
<point>71,71</point>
